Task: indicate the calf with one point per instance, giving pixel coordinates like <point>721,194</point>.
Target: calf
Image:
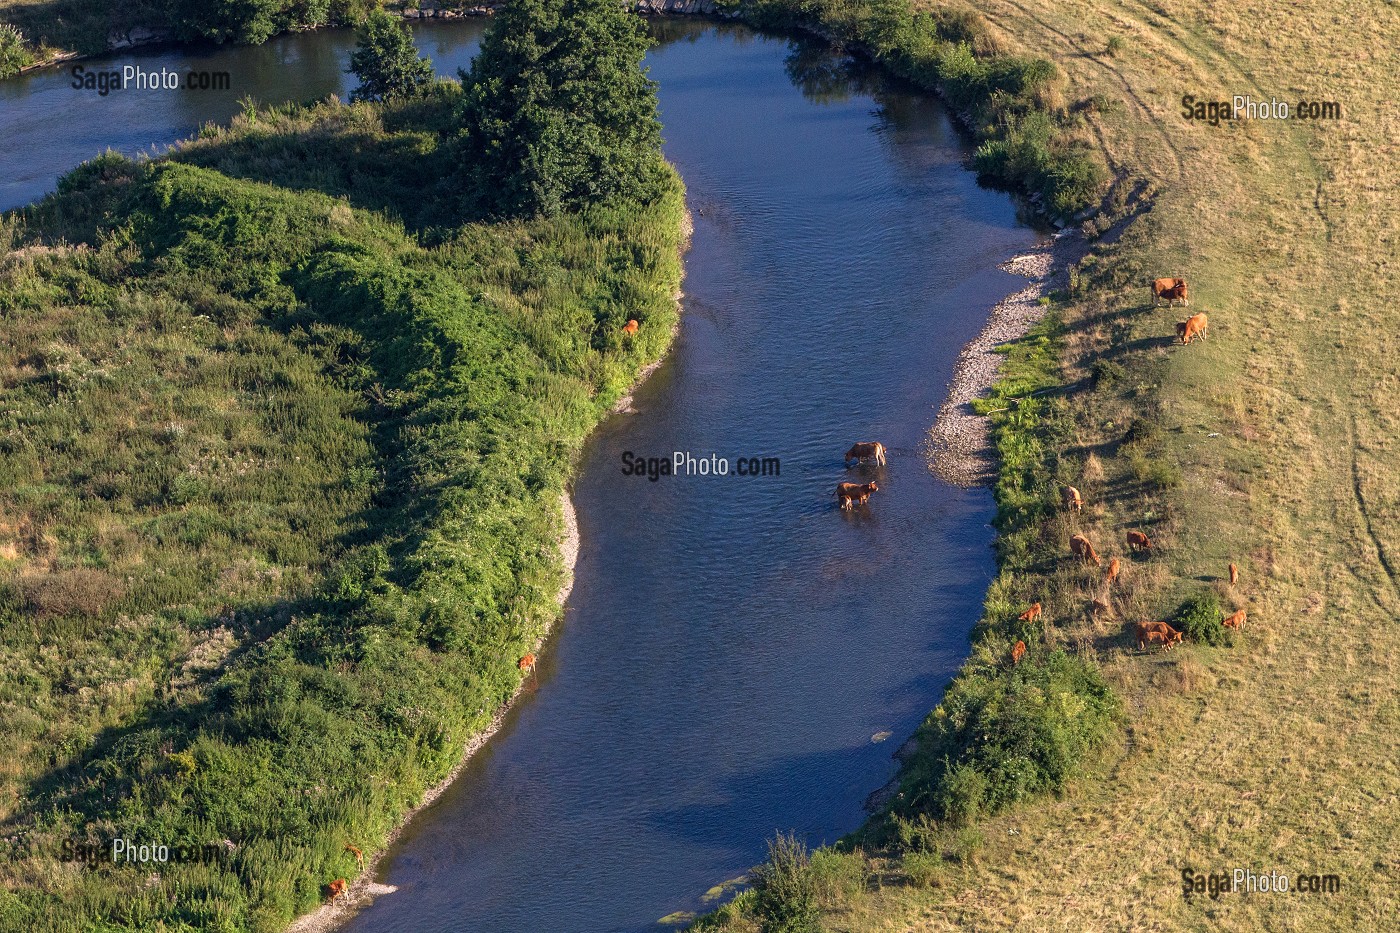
<point>527,663</point>
<point>1031,614</point>
<point>1137,541</point>
<point>1018,652</point>
<point>1235,621</point>
<point>630,328</point>
<point>1071,499</point>
<point>337,889</point>
<point>1113,568</point>
<point>1234,574</point>
<point>852,494</point>
<point>1170,290</point>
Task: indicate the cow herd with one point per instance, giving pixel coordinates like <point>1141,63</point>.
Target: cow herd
<point>1170,290</point>
<point>850,495</point>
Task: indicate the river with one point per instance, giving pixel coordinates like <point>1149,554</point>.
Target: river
<point>737,656</point>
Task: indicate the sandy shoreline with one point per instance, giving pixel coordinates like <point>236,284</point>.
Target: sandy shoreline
<point>364,890</point>
<point>959,443</point>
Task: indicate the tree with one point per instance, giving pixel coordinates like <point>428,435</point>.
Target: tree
<point>558,110</point>
<point>386,61</point>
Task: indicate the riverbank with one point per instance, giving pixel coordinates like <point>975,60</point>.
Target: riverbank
<point>960,443</point>
<point>365,889</point>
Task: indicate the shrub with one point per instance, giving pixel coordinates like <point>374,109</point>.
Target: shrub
<point>1106,372</point>
<point>81,592</point>
<point>785,892</point>
<point>837,877</point>
<point>386,61</point>
<point>1199,619</point>
<point>924,869</point>
<point>14,51</point>
<point>1115,45</point>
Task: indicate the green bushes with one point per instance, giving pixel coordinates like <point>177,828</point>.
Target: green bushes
<point>785,890</point>
<point>386,61</point>
<point>1199,619</point>
<point>1011,102</point>
<point>14,51</point>
<point>1002,737</point>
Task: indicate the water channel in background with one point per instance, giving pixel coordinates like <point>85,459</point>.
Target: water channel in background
<point>732,644</point>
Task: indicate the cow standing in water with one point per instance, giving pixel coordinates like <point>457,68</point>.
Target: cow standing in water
<point>866,450</point>
<point>852,494</point>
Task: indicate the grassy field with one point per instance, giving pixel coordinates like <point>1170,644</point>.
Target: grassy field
<point>283,447</point>
<point>1271,445</point>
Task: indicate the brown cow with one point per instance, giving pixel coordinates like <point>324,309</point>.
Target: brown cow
<point>852,494</point>
<point>1113,568</point>
<point>337,889</point>
<point>1071,499</point>
<point>1235,621</point>
<point>1031,614</point>
<point>1018,652</point>
<point>630,328</point>
<point>1080,547</point>
<point>866,450</point>
<point>1156,632</point>
<point>1234,574</point>
<point>1137,541</point>
<point>1173,290</point>
<point>1194,326</point>
<point>359,856</point>
<point>527,663</point>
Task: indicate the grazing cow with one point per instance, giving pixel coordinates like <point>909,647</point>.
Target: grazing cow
<point>1113,567</point>
<point>337,889</point>
<point>1137,541</point>
<point>1018,652</point>
<point>359,856</point>
<point>1234,574</point>
<point>866,450</point>
<point>630,328</point>
<point>1193,326</point>
<point>1031,614</point>
<point>1072,501</point>
<point>1156,632</point>
<point>527,663</point>
<point>852,494</point>
<point>1235,621</point>
<point>1170,290</point>
<point>1080,547</point>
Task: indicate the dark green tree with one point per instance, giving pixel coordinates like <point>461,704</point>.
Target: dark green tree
<point>558,110</point>
<point>386,61</point>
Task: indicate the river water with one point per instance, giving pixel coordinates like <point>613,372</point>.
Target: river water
<point>735,649</point>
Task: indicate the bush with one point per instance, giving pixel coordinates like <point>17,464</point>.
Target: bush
<point>14,51</point>
<point>1199,619</point>
<point>924,869</point>
<point>785,891</point>
<point>837,877</point>
<point>1106,372</point>
<point>1115,45</point>
<point>1003,736</point>
<point>386,61</point>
